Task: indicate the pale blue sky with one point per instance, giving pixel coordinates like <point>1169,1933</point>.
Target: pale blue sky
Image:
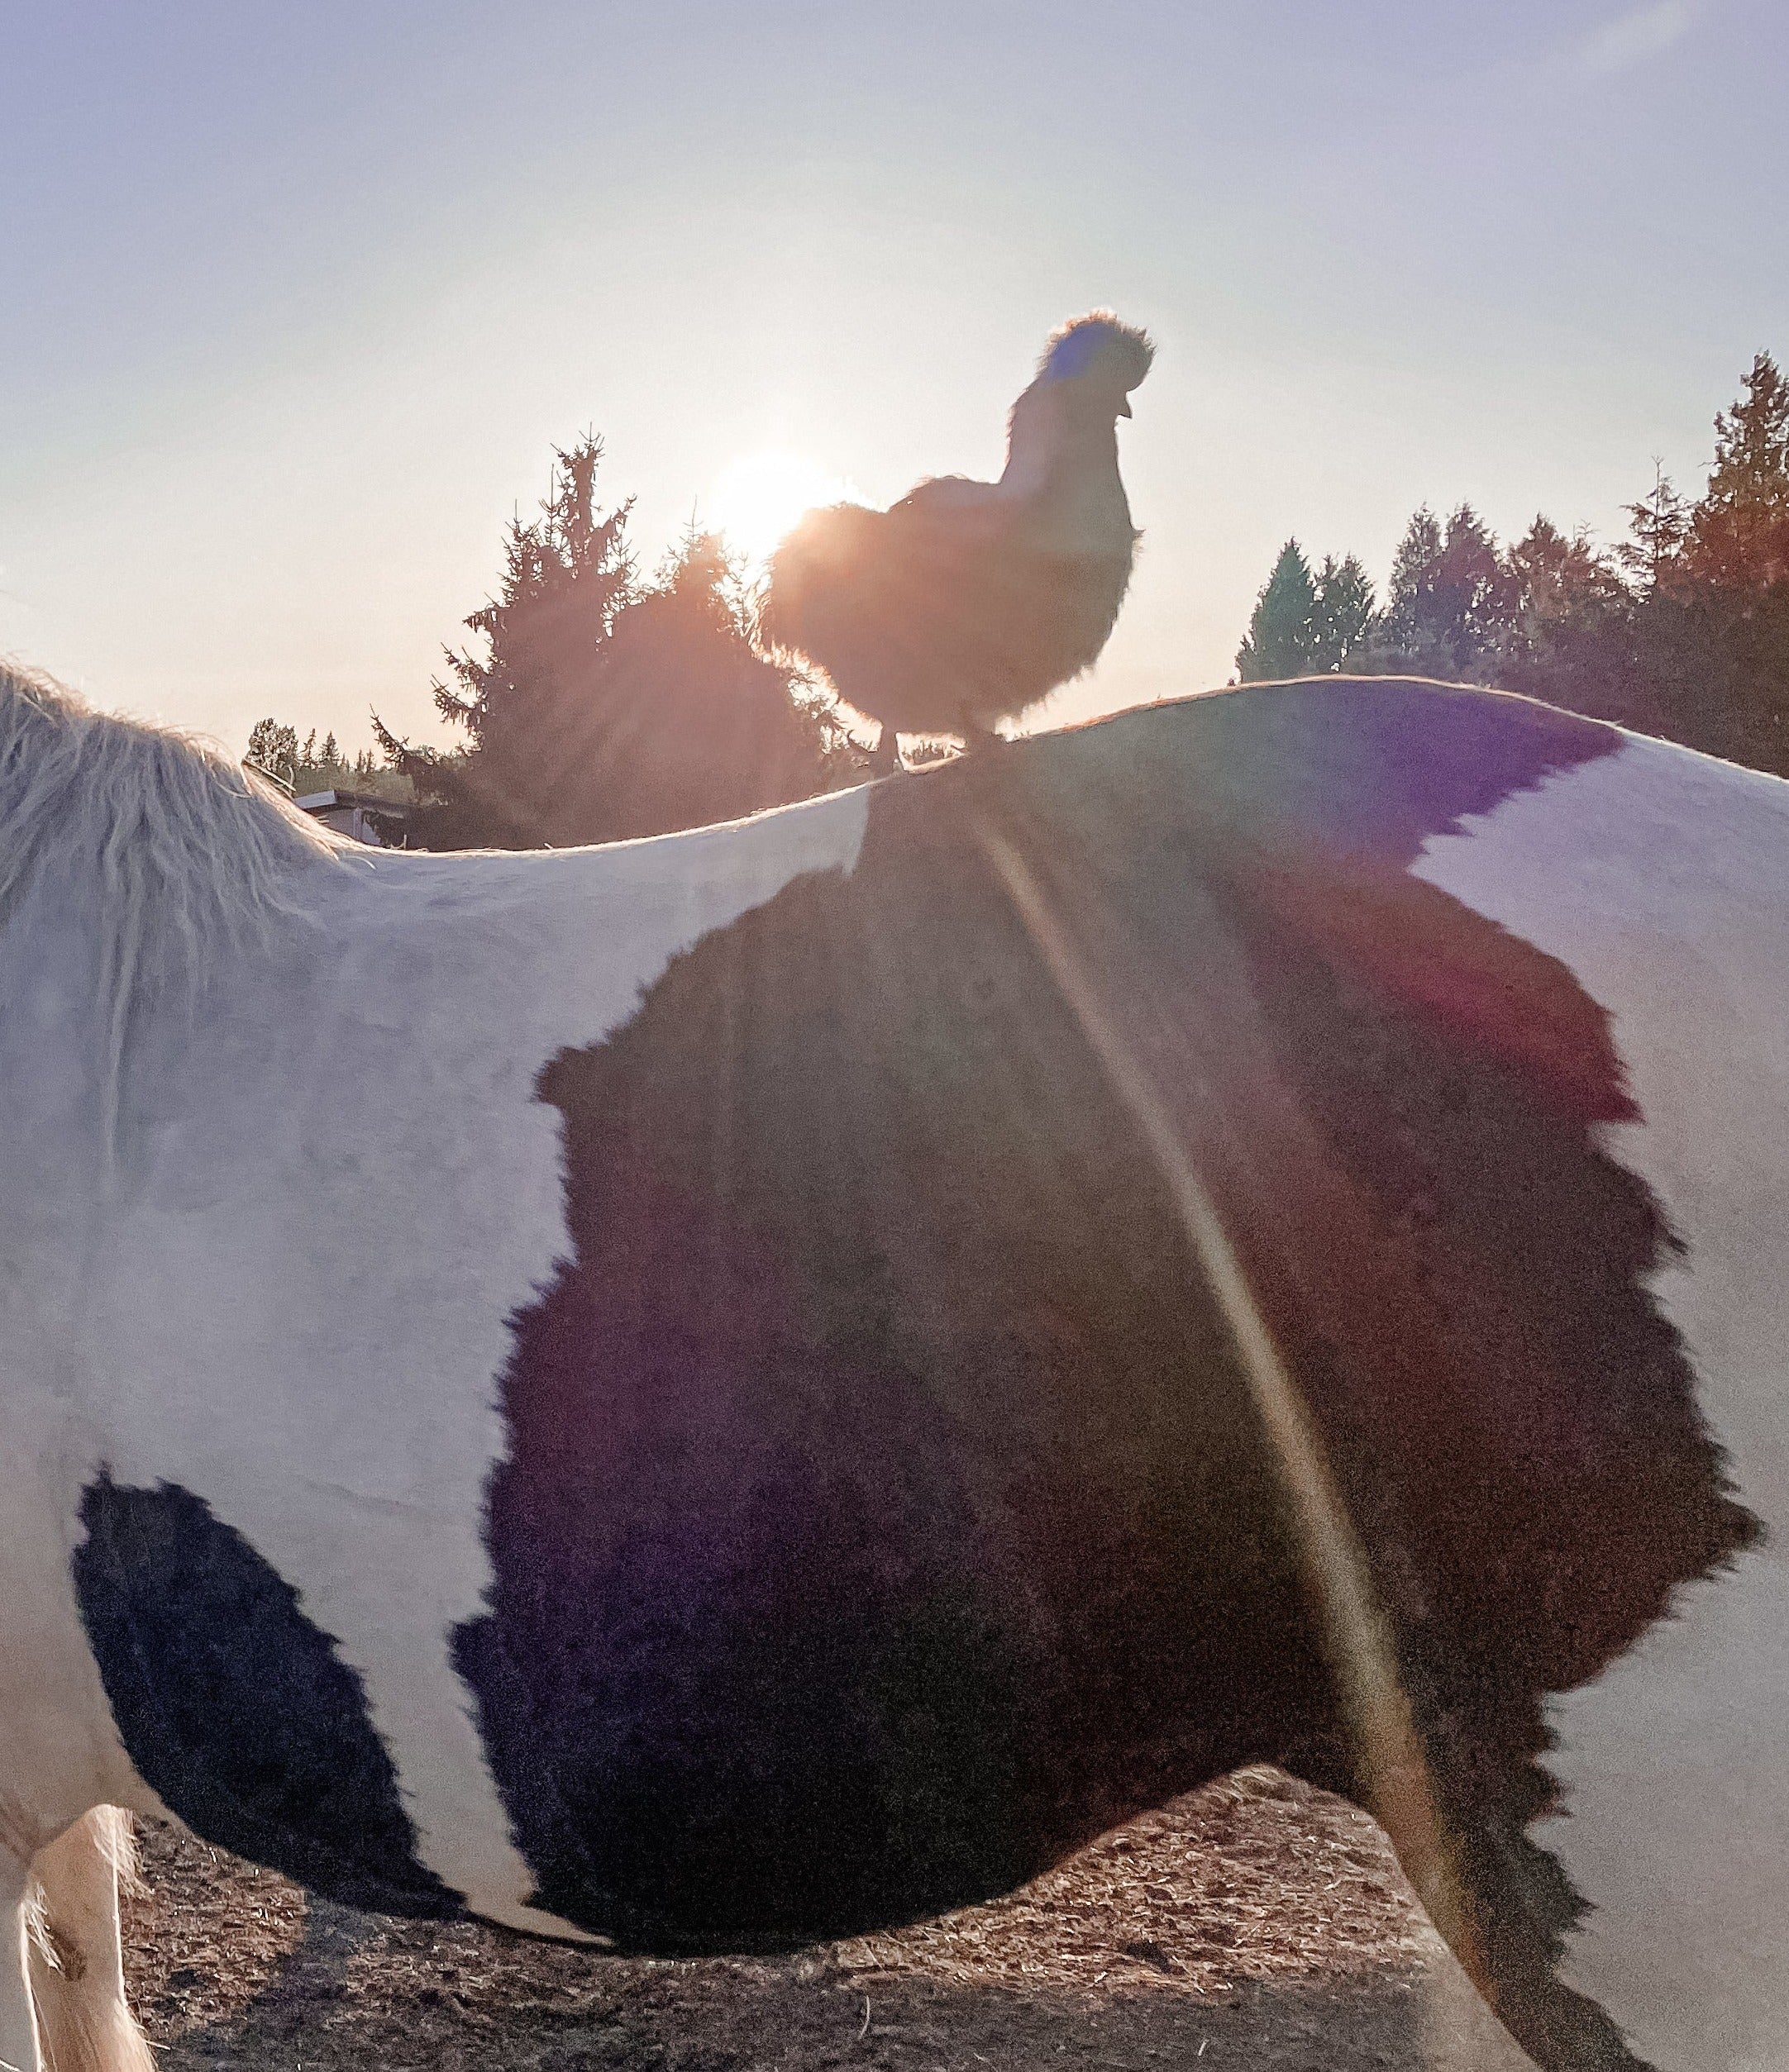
<point>295,299</point>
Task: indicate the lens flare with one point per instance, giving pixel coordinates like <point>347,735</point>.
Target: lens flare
<point>761,495</point>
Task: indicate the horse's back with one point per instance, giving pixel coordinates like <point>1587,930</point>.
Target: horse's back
<point>681,1376</point>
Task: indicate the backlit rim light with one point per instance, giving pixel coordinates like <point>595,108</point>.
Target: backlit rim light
<point>760,496</point>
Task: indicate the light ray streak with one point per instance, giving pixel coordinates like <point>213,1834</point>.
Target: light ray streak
<point>1357,1633</point>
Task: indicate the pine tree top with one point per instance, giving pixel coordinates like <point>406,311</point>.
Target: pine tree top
<point>1751,468</point>
<point>1739,531</point>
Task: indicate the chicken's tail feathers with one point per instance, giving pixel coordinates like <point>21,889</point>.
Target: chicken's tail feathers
<point>830,545</point>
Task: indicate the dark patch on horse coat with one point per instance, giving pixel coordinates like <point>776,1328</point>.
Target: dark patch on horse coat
<point>1460,1286</point>
<point>236,1708</point>
<point>884,1511</point>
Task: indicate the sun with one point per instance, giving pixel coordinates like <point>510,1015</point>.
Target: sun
<point>760,496</point>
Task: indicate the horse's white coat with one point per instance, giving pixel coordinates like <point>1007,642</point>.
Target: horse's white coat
<point>334,1185</point>
<point>1662,879</point>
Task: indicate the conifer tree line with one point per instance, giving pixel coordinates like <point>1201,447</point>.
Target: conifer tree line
<point>1681,629</point>
<point>595,704</point>
<point>309,765</point>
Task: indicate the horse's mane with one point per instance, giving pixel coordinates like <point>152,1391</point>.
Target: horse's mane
<point>172,852</point>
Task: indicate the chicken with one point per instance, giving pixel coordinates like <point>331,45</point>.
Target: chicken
<point>967,601</point>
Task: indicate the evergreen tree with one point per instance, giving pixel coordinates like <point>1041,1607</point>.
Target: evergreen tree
<point>274,748</point>
<point>602,708</point>
<point>1739,531</point>
<point>1413,573</point>
<point>1659,524</point>
<point>1342,614</point>
<point>1473,596</point>
<point>1282,629</point>
<point>1555,582</point>
<point>329,756</point>
<point>1569,639</point>
<point>566,579</point>
<point>1682,632</point>
<point>1450,597</point>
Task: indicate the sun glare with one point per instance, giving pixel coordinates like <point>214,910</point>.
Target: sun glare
<point>760,496</point>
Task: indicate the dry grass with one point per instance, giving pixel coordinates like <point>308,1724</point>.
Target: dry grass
<point>1256,1922</point>
<point>1257,1877</point>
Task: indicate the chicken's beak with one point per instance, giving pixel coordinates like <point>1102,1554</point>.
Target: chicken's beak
<point>1124,405</point>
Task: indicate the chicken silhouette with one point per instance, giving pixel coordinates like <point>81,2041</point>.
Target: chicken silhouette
<point>966,601</point>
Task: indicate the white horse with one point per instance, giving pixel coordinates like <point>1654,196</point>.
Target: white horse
<point>731,1388</point>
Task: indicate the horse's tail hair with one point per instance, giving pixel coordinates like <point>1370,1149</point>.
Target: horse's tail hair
<point>114,1831</point>
<point>85,2023</point>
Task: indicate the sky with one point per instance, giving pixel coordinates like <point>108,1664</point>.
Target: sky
<point>296,301</point>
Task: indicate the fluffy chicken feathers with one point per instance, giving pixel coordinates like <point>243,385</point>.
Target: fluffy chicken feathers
<point>966,601</point>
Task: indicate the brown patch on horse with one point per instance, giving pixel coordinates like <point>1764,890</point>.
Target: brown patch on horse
<point>1489,989</point>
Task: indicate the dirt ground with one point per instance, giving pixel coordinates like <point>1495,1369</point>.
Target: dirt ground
<point>1254,1923</point>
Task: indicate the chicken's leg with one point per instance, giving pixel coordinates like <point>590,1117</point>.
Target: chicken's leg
<point>885,757</point>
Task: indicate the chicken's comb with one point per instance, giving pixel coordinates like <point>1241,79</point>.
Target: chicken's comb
<point>1099,336</point>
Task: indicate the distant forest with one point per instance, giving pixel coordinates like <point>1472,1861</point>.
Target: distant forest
<point>595,704</point>
<point>1681,629</point>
